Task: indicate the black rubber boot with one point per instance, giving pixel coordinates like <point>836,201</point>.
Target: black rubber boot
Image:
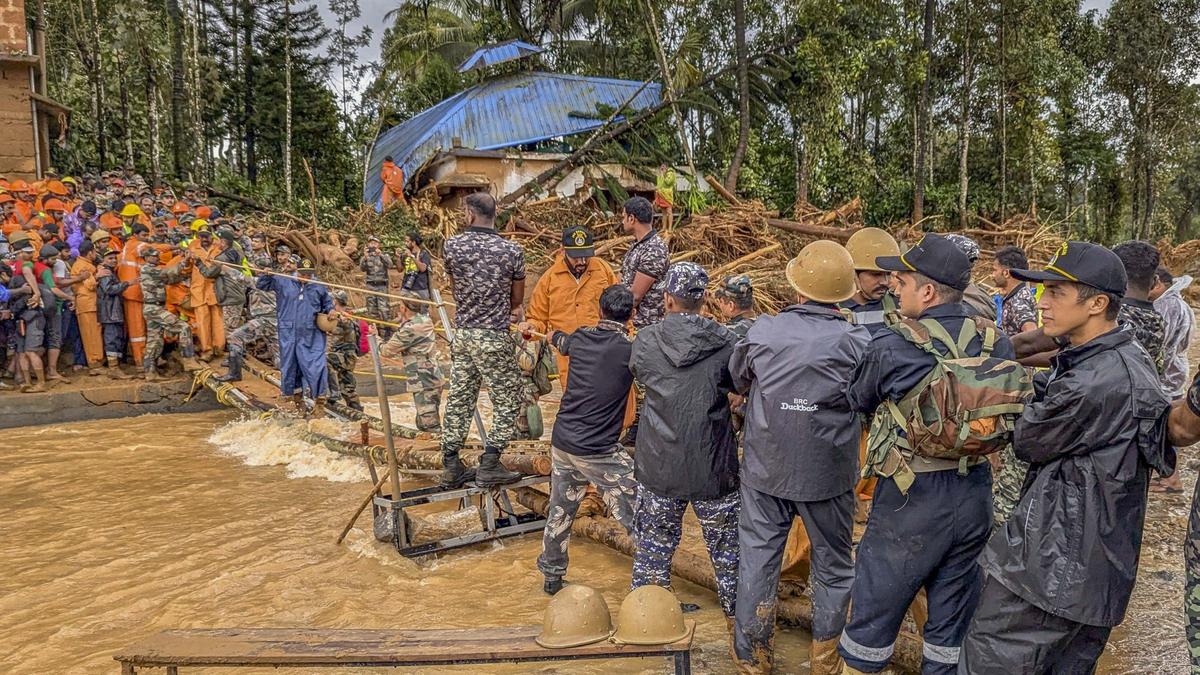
<point>553,585</point>
<point>234,374</point>
<point>455,474</point>
<point>491,473</point>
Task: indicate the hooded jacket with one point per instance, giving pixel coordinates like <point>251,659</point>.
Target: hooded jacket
<point>1095,428</point>
<point>801,436</point>
<point>685,442</point>
<point>1179,322</point>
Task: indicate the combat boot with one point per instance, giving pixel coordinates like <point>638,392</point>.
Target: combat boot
<point>825,658</point>
<point>190,364</point>
<point>491,473</point>
<point>114,371</point>
<point>455,474</point>
<point>234,373</point>
<point>152,375</point>
<point>553,585</point>
<point>298,402</point>
<point>318,409</point>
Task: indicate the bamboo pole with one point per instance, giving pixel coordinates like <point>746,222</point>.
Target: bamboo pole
<point>385,413</point>
<point>363,506</point>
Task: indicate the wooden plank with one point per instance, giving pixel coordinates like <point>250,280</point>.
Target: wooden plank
<point>299,647</point>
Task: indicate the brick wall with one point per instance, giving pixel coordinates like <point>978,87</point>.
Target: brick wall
<point>17,153</point>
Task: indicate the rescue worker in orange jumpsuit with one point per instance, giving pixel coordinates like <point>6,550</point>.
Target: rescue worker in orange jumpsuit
<point>204,297</point>
<point>393,183</point>
<point>129,268</point>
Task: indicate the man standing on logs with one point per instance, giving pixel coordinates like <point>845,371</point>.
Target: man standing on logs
<point>795,368</point>
<point>414,343</point>
<point>376,264</point>
<point>487,273</point>
<point>302,363</point>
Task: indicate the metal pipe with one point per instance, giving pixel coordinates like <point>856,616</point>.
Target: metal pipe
<point>385,413</point>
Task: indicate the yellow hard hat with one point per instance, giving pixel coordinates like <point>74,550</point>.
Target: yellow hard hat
<point>868,244</point>
<point>576,616</point>
<point>650,615</point>
<point>70,179</point>
<point>131,210</point>
<point>199,224</point>
<point>822,271</point>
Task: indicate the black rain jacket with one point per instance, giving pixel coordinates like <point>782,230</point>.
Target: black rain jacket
<point>685,442</point>
<point>1095,428</point>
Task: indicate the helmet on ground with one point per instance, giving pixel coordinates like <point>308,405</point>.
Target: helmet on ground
<point>868,244</point>
<point>822,271</point>
<point>577,615</point>
<point>650,615</point>
<point>131,209</point>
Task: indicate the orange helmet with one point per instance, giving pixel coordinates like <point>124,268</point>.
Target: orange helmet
<point>5,198</point>
<point>18,185</point>
<point>53,204</point>
<point>56,187</point>
<point>203,212</point>
<point>180,208</point>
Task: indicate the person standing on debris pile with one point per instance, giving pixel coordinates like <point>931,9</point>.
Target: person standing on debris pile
<point>392,177</point>
<point>375,264</point>
<point>686,450</point>
<point>664,194</point>
<point>801,455</point>
<point>735,299</point>
<point>974,297</point>
<point>343,354</point>
<point>160,322</point>
<point>932,510</point>
<point>1060,573</point>
<point>302,365</point>
<point>487,273</point>
<point>567,296</point>
<point>1018,308</point>
<point>584,448</point>
<point>414,342</point>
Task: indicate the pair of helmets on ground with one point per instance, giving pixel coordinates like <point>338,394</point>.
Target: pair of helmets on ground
<point>824,270</point>
<point>578,615</point>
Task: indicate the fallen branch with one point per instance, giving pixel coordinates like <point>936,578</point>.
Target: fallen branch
<point>257,206</point>
<point>720,189</point>
<point>838,233</point>
<point>730,266</point>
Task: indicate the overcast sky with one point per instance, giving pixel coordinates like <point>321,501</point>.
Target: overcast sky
<point>373,11</point>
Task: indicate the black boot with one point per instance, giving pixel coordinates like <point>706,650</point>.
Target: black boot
<point>553,585</point>
<point>455,474</point>
<point>234,374</point>
<point>491,473</point>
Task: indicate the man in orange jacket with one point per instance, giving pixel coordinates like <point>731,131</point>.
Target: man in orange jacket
<point>129,268</point>
<point>204,297</point>
<point>393,183</point>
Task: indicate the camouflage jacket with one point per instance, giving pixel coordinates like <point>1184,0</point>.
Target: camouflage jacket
<point>345,338</point>
<point>376,265</point>
<point>483,266</point>
<point>414,338</point>
<point>262,303</point>
<point>156,278</point>
<point>740,325</point>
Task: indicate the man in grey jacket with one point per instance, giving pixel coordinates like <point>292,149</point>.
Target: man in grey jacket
<point>801,455</point>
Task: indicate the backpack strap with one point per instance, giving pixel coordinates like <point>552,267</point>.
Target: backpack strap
<point>848,316</point>
<point>916,333</point>
<point>987,330</point>
<point>938,332</point>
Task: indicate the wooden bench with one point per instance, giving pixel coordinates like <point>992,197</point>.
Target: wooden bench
<point>233,647</point>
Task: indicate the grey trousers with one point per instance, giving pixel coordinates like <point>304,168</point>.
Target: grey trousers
<point>611,473</point>
<point>762,534</point>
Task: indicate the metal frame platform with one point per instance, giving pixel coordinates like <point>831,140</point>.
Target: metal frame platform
<point>499,518</point>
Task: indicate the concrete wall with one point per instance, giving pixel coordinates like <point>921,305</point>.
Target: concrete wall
<point>103,401</point>
<point>17,150</point>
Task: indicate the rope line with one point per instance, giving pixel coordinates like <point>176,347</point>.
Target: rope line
<point>330,284</point>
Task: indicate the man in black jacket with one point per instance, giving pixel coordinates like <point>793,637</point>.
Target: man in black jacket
<point>686,452</point>
<point>801,455</point>
<point>1060,572</point>
<point>1183,429</point>
<point>584,447</point>
<point>930,517</point>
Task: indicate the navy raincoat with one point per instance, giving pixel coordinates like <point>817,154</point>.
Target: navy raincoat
<point>301,343</point>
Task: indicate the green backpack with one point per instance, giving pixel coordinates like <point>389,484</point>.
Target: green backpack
<point>966,406</point>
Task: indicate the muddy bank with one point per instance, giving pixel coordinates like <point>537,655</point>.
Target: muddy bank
<point>100,398</point>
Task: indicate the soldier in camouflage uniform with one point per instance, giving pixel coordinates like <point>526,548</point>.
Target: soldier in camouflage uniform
<point>375,263</point>
<point>735,297</point>
<point>159,321</point>
<point>488,277</point>
<point>262,326</point>
<point>413,342</point>
<point>1183,429</point>
<point>343,356</point>
<point>686,451</point>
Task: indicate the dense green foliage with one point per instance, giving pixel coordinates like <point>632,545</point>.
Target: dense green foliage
<point>1087,118</point>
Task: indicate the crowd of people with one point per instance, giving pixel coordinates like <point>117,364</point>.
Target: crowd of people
<point>1005,443</point>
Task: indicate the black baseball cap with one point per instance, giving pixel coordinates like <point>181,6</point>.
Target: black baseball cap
<point>934,256</point>
<point>1084,263</point>
<point>578,242</point>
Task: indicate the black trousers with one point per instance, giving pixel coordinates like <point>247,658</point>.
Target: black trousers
<point>1011,636</point>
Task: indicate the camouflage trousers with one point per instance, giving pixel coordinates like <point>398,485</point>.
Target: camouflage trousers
<point>380,308</point>
<point>1006,491</point>
<point>479,356</point>
<point>159,324</point>
<point>570,475</point>
<point>342,384</point>
<point>261,330</point>
<point>1191,561</point>
<point>234,317</point>
<point>424,380</point>
<point>659,525</point>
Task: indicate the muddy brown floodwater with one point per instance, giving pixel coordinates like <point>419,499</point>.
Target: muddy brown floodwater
<point>115,530</point>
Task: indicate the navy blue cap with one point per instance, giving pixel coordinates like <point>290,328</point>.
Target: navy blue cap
<point>578,242</point>
<point>935,257</point>
<point>687,280</point>
<point>1084,263</point>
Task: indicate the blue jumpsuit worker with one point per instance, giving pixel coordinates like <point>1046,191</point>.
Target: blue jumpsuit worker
<point>302,362</point>
<point>800,455</point>
<point>930,535</point>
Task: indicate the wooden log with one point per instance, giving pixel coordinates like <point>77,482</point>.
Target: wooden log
<point>731,266</point>
<point>605,246</point>
<point>821,231</point>
<point>257,206</point>
<point>720,189</point>
<point>792,608</point>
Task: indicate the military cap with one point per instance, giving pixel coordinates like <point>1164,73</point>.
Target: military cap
<point>687,280</point>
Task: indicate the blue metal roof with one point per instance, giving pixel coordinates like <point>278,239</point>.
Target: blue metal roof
<point>499,53</point>
<point>501,113</point>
